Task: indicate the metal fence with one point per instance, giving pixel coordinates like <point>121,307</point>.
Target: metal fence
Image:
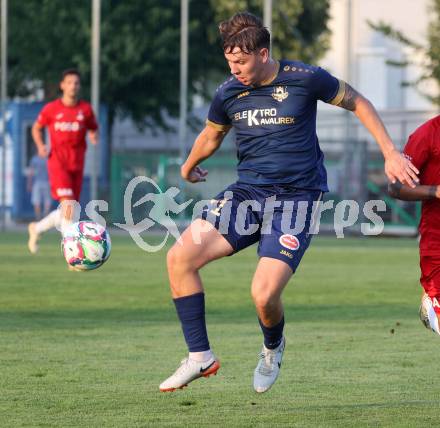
<point>361,181</point>
<point>355,167</point>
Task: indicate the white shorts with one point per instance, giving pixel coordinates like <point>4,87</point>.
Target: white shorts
<point>41,193</point>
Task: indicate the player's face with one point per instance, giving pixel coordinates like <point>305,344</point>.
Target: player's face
<point>247,68</point>
<point>70,86</point>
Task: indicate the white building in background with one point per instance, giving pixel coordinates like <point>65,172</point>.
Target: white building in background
<point>359,55</point>
<point>368,50</point>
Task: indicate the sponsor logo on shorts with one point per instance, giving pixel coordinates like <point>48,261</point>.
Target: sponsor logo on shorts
<point>289,241</point>
<point>64,192</point>
<point>287,254</point>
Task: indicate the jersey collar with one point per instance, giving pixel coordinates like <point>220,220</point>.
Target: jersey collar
<point>64,105</point>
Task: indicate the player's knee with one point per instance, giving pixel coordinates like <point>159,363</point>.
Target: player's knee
<point>178,259</point>
<point>172,257</point>
<point>264,299</point>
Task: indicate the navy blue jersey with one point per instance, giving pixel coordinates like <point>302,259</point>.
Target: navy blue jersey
<point>275,125</point>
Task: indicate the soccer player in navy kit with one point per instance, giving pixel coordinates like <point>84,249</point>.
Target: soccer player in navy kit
<point>272,107</point>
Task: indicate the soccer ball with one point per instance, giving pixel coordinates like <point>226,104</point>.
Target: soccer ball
<point>86,245</point>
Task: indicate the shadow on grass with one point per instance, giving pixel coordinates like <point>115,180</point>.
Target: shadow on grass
<point>107,317</point>
<point>366,406</point>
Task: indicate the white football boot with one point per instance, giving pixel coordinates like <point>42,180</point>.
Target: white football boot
<point>188,371</point>
<point>268,368</point>
<point>33,238</point>
<point>428,315</point>
<point>425,306</point>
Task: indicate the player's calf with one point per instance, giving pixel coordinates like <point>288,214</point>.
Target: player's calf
<point>33,238</point>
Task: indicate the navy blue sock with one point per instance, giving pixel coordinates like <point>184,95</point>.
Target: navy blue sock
<point>191,312</point>
<point>272,335</point>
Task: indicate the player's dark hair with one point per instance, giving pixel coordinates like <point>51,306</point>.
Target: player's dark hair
<point>245,31</point>
<point>70,72</point>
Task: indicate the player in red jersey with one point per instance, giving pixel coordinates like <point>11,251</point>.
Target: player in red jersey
<point>68,119</point>
<point>423,149</point>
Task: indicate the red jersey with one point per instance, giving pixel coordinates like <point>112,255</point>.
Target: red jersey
<point>423,147</point>
<point>68,126</point>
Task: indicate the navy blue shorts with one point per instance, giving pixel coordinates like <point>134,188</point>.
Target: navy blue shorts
<point>276,216</point>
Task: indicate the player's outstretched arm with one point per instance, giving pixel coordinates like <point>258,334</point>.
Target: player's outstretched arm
<point>419,193</point>
<point>37,135</point>
<point>208,141</point>
<point>397,166</point>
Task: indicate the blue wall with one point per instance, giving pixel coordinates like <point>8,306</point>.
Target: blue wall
<point>23,116</point>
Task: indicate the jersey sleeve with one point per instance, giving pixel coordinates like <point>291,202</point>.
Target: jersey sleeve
<point>418,146</point>
<point>91,123</point>
<point>45,117</point>
<point>217,116</point>
<point>326,87</point>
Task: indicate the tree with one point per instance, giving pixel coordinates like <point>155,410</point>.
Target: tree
<point>299,27</point>
<point>46,37</point>
<point>139,53</point>
<point>429,53</point>
<point>140,42</point>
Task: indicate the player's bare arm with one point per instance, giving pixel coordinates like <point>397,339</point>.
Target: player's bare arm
<point>397,167</point>
<point>37,135</point>
<point>208,141</point>
<point>94,137</point>
<point>419,193</point>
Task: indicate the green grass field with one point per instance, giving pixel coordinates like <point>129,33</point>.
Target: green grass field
<point>90,349</point>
